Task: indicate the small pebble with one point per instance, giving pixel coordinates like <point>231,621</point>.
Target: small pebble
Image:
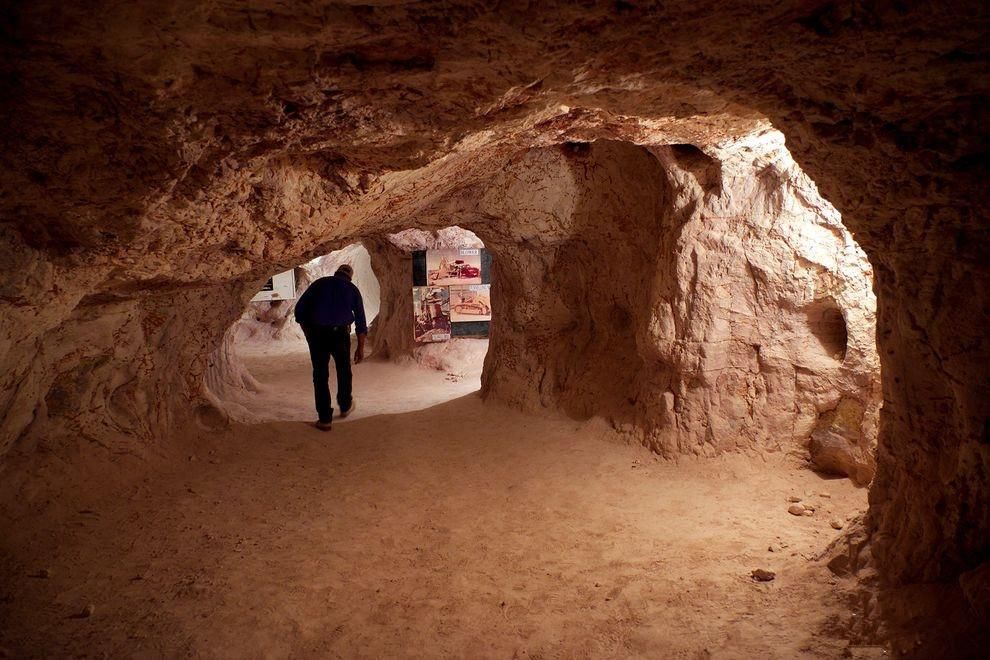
<point>87,611</point>
<point>45,573</point>
<point>761,575</point>
<point>836,523</point>
<point>796,510</point>
<point>793,498</point>
<point>809,512</point>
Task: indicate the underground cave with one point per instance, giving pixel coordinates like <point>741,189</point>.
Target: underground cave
<point>729,396</point>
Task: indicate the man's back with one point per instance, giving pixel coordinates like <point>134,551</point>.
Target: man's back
<point>331,301</point>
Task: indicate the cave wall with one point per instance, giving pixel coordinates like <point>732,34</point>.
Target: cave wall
<point>758,265</point>
<point>186,146</point>
<point>680,296</point>
<point>96,373</point>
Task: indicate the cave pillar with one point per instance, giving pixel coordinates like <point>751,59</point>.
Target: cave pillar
<point>930,502</point>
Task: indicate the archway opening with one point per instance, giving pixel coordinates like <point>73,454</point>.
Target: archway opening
<point>427,339</point>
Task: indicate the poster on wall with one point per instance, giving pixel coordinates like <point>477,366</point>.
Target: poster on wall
<point>431,314</point>
<point>278,287</point>
<point>456,266</point>
<point>470,302</point>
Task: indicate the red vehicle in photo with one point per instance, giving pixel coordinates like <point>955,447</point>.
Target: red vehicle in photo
<point>457,269</point>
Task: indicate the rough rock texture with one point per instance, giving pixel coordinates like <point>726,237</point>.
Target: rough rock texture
<point>160,158</point>
<point>835,446</point>
<point>267,321</point>
<point>976,588</point>
<point>677,294</point>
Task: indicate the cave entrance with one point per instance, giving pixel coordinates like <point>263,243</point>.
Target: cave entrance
<point>427,339</point>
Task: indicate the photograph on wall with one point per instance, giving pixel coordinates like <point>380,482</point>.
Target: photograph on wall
<point>471,302</point>
<point>431,314</point>
<point>278,287</point>
<point>455,266</point>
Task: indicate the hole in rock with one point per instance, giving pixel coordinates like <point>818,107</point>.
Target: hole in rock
<point>427,303</point>
<point>827,324</point>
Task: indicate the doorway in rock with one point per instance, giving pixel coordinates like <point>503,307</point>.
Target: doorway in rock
<point>404,369</point>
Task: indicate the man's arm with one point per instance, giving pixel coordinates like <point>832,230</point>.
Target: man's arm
<point>361,325</point>
<point>302,307</point>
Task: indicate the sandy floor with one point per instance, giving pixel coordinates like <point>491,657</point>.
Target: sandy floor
<point>463,529</point>
<point>379,387</point>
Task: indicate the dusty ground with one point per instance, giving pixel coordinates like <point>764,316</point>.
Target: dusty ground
<point>462,529</point>
<point>284,371</point>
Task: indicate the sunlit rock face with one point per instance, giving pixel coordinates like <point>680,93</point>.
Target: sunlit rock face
<point>162,159</point>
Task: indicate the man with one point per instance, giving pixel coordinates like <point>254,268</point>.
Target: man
<point>325,312</point>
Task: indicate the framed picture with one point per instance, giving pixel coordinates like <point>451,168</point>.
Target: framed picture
<point>470,302</point>
<point>431,314</point>
<point>455,266</point>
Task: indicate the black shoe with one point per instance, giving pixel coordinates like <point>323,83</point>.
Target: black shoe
<point>350,409</point>
<point>323,426</point>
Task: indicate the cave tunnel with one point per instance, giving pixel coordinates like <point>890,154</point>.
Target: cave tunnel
<point>263,366</point>
<point>734,381</point>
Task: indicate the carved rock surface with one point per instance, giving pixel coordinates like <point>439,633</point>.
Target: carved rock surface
<point>835,443</point>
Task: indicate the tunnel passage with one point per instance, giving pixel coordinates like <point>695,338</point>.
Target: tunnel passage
<point>261,372</point>
<point>192,175</point>
<point>700,303</point>
<point>629,287</point>
<point>271,319</point>
<point>404,259</point>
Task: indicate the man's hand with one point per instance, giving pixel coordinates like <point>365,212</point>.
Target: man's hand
<point>359,351</point>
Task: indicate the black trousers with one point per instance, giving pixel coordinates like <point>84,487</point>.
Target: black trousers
<point>327,342</point>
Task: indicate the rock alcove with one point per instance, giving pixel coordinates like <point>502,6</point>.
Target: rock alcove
<point>674,271</point>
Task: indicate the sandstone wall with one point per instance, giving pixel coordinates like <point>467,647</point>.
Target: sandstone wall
<point>682,297</point>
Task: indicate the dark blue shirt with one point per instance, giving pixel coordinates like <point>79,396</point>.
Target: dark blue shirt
<point>331,301</point>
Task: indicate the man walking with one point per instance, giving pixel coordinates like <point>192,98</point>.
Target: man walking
<point>325,312</point>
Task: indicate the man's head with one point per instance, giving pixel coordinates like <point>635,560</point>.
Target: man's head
<point>345,271</point>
